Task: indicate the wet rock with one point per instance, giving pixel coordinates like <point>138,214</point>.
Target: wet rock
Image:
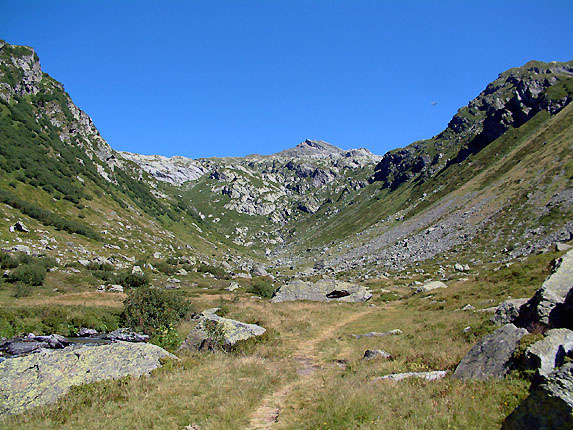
<point>491,356</point>
<point>549,405</point>
<point>428,376</point>
<point>38,379</point>
<point>126,335</point>
<point>85,332</point>
<point>550,352</point>
<point>547,307</point>
<point>322,291</point>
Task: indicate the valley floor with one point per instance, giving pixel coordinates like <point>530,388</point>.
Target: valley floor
<point>307,371</point>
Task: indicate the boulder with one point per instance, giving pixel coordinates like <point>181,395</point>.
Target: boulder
<point>548,406</point>
<point>428,376</point>
<point>547,306</point>
<point>322,291</point>
<point>233,286</point>
<point>85,332</point>
<point>38,379</point>
<point>259,270</point>
<point>213,332</point>
<point>126,335</point>
<point>491,356</point>
<point>550,352</point>
<point>507,311</point>
<point>19,226</point>
<point>21,248</point>
<point>115,288</point>
<point>137,271</point>
<point>429,286</point>
<point>370,354</point>
<point>561,247</point>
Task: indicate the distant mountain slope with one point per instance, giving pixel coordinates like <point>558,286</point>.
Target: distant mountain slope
<point>497,183</point>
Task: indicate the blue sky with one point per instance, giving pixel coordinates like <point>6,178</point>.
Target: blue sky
<point>216,78</point>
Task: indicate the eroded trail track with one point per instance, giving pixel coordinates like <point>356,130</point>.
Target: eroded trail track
<point>307,363</point>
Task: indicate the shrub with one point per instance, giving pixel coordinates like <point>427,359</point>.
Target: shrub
<point>149,309</point>
<point>218,272</point>
<point>28,274</point>
<point>165,267</point>
<point>262,287</point>
<point>7,261</point>
<point>167,338</point>
<point>129,280</point>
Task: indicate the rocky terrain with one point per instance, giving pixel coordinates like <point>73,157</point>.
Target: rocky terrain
<point>329,275</point>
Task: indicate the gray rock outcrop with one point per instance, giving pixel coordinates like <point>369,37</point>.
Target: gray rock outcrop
<point>492,356</point>
<point>429,286</point>
<point>322,291</point>
<point>548,307</point>
<point>508,311</point>
<point>550,352</point>
<point>39,379</point>
<point>549,405</point>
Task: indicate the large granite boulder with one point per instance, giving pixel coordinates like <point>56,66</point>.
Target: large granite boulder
<point>324,290</point>
<point>214,332</point>
<point>548,307</point>
<point>492,356</point>
<point>549,405</point>
<point>38,379</point>
<point>550,352</point>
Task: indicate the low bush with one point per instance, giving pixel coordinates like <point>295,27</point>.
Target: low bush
<point>262,287</point>
<point>217,272</point>
<point>130,280</point>
<point>28,274</point>
<point>165,267</point>
<point>149,309</point>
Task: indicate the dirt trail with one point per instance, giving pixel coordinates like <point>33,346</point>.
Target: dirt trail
<point>307,361</point>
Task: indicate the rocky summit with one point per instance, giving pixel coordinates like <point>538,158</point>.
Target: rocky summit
<point>321,270</point>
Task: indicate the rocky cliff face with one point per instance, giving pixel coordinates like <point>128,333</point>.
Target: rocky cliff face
<point>508,102</point>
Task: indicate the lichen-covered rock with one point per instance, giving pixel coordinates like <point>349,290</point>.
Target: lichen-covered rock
<point>547,305</point>
<point>550,352</point>
<point>322,291</point>
<point>215,332</point>
<point>429,286</point>
<point>428,376</point>
<point>491,356</point>
<point>38,379</point>
<point>549,406</point>
<point>370,354</point>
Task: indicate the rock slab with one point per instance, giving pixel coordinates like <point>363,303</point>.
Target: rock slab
<point>550,352</point>
<point>549,405</point>
<point>322,291</point>
<point>39,379</point>
<point>492,356</point>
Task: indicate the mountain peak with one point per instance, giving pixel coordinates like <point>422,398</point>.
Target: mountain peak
<point>313,148</point>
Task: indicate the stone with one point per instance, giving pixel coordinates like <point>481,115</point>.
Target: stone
<point>19,226</point>
<point>468,307</point>
<point>429,286</point>
<point>560,247</point>
<point>115,288</point>
<point>550,352</point>
<point>137,271</point>
<point>86,332</point>
<point>21,248</point>
<point>39,379</point>
<point>460,268</point>
<point>323,290</point>
<point>213,332</point>
<point>428,376</point>
<point>394,332</point>
<point>126,335</point>
<point>233,286</point>
<point>259,270</point>
<point>545,307</point>
<point>181,272</point>
<point>507,311</point>
<point>491,356</point>
<point>549,405</point>
<point>370,354</point>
